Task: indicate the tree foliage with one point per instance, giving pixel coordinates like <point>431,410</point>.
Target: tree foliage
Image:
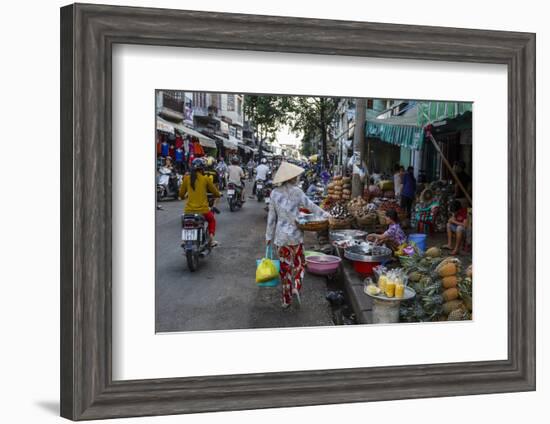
<point>313,117</point>
<point>268,113</point>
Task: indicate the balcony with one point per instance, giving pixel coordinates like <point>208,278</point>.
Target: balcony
<point>171,114</point>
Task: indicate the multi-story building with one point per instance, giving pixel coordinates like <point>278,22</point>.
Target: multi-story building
<point>174,111</point>
<point>232,114</point>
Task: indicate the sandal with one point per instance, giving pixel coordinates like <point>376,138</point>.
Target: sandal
<point>297,294</point>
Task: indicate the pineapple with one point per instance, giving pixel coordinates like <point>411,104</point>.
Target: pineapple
<point>415,276</point>
<point>460,314</point>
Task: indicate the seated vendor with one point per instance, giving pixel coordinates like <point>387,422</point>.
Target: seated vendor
<point>456,225</point>
<point>393,236</point>
<point>426,211</point>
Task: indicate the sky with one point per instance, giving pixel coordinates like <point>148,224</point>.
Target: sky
<point>285,136</point>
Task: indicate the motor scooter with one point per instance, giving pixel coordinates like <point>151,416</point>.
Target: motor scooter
<point>222,179</point>
<point>168,183</point>
<point>234,197</point>
<point>260,195</point>
<point>267,187</point>
<point>194,239</point>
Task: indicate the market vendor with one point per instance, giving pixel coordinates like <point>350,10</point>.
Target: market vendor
<point>425,211</point>
<point>282,231</point>
<point>393,236</point>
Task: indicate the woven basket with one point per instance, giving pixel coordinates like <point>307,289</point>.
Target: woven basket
<point>381,217</point>
<point>313,226</point>
<point>367,220</point>
<point>340,223</point>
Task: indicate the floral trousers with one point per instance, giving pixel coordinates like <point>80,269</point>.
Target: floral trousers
<point>292,270</point>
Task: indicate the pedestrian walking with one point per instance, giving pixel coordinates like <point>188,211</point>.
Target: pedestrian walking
<point>398,174</point>
<point>408,190</point>
<point>282,231</point>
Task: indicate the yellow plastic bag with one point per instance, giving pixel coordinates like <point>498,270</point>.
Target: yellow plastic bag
<point>266,271</point>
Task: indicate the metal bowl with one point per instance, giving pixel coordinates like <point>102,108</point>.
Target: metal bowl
<point>347,234</point>
<point>368,253</point>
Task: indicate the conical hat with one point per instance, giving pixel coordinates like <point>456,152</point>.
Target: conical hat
<point>287,171</point>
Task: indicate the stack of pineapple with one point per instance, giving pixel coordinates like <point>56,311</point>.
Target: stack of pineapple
<point>454,290</point>
<point>444,292</point>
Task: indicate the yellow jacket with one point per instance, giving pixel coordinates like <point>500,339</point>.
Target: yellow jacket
<point>197,201</point>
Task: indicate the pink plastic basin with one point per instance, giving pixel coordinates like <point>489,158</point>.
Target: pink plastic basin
<point>323,265</point>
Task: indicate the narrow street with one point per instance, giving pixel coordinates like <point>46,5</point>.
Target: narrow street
<point>222,293</point>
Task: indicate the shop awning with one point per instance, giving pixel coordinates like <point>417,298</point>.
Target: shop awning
<point>402,130</point>
<point>407,129</point>
<point>204,140</point>
<point>229,144</point>
<point>245,147</point>
<point>407,136</point>
<point>430,112</point>
<point>168,126</point>
<point>165,126</point>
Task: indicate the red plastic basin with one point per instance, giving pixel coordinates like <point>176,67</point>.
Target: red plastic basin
<point>365,268</point>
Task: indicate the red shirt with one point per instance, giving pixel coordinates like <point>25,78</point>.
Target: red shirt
<point>461,215</point>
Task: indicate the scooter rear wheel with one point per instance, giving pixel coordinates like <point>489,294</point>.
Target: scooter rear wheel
<point>192,260</point>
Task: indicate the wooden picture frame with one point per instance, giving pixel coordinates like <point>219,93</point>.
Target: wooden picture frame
<point>88,33</point>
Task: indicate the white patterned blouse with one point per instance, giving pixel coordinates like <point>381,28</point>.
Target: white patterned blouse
<point>285,202</point>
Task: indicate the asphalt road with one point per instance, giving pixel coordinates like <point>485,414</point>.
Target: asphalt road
<point>222,293</point>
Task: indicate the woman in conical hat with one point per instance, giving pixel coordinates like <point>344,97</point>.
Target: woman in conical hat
<point>285,203</point>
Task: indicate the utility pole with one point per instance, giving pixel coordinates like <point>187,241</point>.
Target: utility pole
<point>358,147</point>
<point>323,132</point>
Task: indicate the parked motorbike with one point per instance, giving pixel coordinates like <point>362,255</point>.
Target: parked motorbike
<point>194,239</point>
<point>234,197</point>
<point>168,183</point>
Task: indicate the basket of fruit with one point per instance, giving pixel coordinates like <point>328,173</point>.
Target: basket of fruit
<point>340,217</point>
<point>307,221</point>
<point>315,226</point>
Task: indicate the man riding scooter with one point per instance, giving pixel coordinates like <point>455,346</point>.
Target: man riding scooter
<point>236,176</point>
<point>250,166</point>
<point>221,169</point>
<point>261,174</point>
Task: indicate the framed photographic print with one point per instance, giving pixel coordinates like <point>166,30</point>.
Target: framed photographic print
<point>265,212</point>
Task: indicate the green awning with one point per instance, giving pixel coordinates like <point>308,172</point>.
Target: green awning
<point>407,130</point>
<point>429,112</point>
<point>409,136</point>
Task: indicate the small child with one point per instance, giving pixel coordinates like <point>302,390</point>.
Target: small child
<point>456,224</point>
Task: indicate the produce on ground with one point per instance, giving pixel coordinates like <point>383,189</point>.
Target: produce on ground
<point>433,252</point>
<point>443,288</point>
<point>449,282</point>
